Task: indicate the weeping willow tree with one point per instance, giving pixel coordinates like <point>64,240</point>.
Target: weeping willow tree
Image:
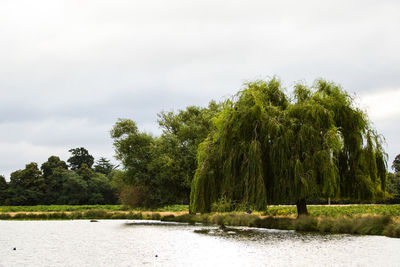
<point>266,148</point>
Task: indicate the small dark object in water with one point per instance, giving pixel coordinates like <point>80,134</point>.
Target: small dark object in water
<point>248,211</point>
<point>93,220</point>
<point>14,248</point>
<point>156,256</point>
<point>222,227</point>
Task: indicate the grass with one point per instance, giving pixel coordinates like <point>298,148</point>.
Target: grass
<point>351,219</point>
<point>67,208</point>
<point>61,208</point>
<point>315,210</point>
<point>336,210</point>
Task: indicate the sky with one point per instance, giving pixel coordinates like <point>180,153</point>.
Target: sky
<point>69,69</point>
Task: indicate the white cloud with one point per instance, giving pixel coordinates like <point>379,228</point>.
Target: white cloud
<point>382,105</point>
<point>69,69</point>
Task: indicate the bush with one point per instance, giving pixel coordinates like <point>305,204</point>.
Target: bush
<point>222,205</point>
<point>137,196</point>
<point>96,214</point>
<point>306,223</point>
<point>392,230</point>
<point>371,225</point>
<point>5,216</point>
<point>168,218</point>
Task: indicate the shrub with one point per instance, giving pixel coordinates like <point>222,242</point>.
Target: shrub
<point>137,196</point>
<point>222,205</point>
<point>342,225</point>
<point>371,225</point>
<point>306,223</point>
<point>96,214</point>
<point>392,230</point>
<point>5,216</point>
<point>168,218</point>
<point>155,216</point>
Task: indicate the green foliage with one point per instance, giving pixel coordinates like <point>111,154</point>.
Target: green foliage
<point>26,186</point>
<point>74,189</point>
<point>174,208</point>
<point>222,205</point>
<point>266,149</point>
<point>53,170</point>
<point>396,164</point>
<point>80,156</point>
<point>133,149</point>
<point>393,185</point>
<point>392,230</point>
<point>334,211</point>
<point>356,224</point>
<point>100,190</point>
<point>55,184</point>
<point>61,208</point>
<point>165,164</point>
<point>306,223</point>
<point>138,196</point>
<point>103,166</point>
<point>3,190</point>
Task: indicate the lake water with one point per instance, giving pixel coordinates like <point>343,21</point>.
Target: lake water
<point>115,243</point>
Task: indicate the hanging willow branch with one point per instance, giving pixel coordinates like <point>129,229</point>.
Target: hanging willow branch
<point>267,149</point>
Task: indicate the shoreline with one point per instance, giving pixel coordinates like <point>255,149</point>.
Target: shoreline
<point>362,224</point>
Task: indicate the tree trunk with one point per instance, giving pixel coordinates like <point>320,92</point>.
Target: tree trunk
<point>301,207</point>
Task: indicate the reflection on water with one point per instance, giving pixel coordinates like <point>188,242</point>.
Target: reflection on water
<point>116,243</point>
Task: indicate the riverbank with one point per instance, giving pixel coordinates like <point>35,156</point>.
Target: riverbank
<point>365,224</point>
<point>272,210</point>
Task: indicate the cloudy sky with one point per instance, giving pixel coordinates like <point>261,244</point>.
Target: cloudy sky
<point>69,69</point>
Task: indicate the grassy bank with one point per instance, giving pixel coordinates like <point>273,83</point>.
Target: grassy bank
<point>315,210</point>
<point>357,224</point>
<point>365,224</point>
<point>351,219</point>
<point>82,208</point>
<point>337,210</point>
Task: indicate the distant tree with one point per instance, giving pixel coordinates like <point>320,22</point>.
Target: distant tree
<point>51,164</point>
<point>3,190</point>
<point>103,166</point>
<point>100,190</point>
<point>85,172</point>
<point>163,166</point>
<point>3,183</point>
<point>138,196</point>
<point>266,148</point>
<point>396,164</point>
<point>175,151</point>
<point>393,185</point>
<point>74,189</point>
<point>134,150</point>
<point>27,186</point>
<point>80,156</point>
<point>118,179</point>
<point>53,170</point>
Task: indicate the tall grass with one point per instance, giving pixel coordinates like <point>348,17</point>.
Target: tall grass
<point>340,219</point>
<point>333,211</point>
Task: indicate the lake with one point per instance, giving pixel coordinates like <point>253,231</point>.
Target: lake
<point>116,243</point>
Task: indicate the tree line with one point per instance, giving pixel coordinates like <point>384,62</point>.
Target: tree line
<point>257,148</point>
<point>80,180</point>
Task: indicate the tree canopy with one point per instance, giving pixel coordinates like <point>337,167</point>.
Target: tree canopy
<point>160,169</point>
<point>396,164</point>
<point>54,183</point>
<point>267,148</point>
<point>80,156</point>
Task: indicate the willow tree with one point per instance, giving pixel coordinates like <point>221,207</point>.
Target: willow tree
<point>266,148</point>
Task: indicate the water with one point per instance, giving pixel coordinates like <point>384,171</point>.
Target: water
<point>114,243</point>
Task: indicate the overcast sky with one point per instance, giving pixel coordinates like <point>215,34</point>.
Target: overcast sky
<point>69,69</point>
